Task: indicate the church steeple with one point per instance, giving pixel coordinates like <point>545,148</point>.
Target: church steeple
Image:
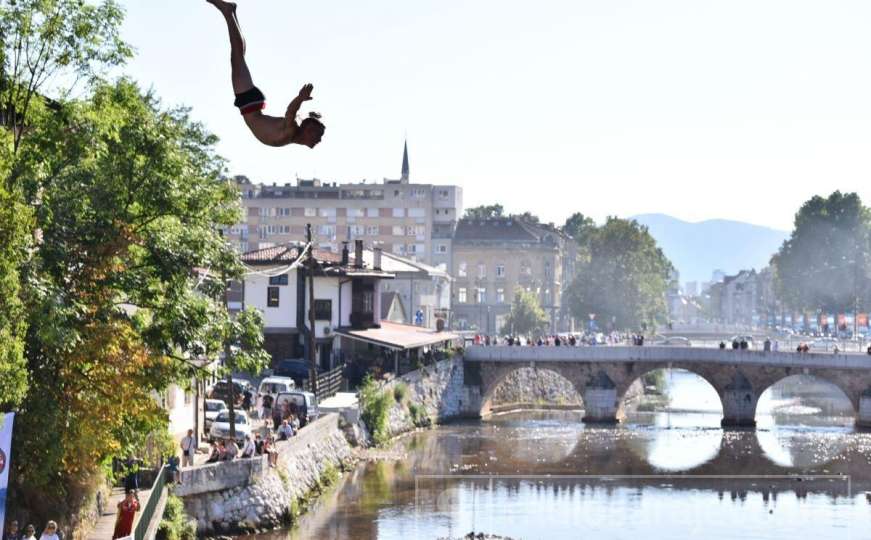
<point>405,169</point>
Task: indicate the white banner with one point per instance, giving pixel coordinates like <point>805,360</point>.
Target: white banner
<point>5,462</point>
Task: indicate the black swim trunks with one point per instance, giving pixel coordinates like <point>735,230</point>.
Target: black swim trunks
<point>250,101</point>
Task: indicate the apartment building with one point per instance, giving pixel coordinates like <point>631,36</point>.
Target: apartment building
<point>412,220</point>
<point>493,257</point>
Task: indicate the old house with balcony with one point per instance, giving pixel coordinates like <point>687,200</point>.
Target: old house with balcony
<point>347,305</point>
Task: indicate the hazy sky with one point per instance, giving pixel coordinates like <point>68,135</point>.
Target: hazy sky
<point>701,109</point>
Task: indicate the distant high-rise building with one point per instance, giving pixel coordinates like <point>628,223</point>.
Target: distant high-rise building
<point>414,220</point>
<point>718,276</point>
<point>691,288</point>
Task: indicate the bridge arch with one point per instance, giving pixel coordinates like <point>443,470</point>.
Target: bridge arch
<point>682,371</point>
<point>849,396</point>
<point>529,386</point>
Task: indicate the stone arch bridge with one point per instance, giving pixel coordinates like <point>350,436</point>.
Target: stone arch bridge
<point>602,375</point>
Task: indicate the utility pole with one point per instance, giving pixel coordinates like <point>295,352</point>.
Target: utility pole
<point>231,407</point>
<point>312,356</point>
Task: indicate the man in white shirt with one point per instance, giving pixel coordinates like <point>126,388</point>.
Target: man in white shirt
<point>285,431</point>
<point>248,450</point>
<point>188,449</point>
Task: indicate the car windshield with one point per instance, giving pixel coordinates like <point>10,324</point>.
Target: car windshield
<point>225,417</point>
<point>213,406</point>
<point>273,388</point>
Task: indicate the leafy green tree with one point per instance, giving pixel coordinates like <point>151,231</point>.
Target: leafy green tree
<point>579,227</point>
<point>825,263</point>
<point>526,316</point>
<point>527,216</point>
<point>485,211</point>
<point>44,44</point>
<point>625,279</point>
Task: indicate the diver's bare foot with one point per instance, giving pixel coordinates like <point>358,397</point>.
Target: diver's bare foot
<point>225,7</point>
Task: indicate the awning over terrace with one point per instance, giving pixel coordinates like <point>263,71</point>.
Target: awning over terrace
<point>398,337</point>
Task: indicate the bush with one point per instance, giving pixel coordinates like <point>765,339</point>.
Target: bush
<point>175,524</point>
<point>376,406</point>
<point>399,392</point>
<point>419,417</point>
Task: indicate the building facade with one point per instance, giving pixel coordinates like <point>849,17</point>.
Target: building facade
<point>413,220</point>
<point>493,257</point>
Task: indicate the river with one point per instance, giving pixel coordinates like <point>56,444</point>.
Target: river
<point>662,475</point>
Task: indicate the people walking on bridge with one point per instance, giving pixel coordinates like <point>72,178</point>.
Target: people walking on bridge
<point>29,533</point>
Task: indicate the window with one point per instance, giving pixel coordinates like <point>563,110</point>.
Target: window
<point>461,269</point>
<point>482,270</point>
<point>500,270</point>
<point>441,248</point>
<point>327,231</point>
<point>328,212</point>
<point>355,212</point>
<point>310,212</point>
<point>417,212</point>
<point>284,212</point>
<point>547,272</point>
<point>500,296</point>
<point>482,295</point>
<point>272,296</point>
<point>371,212</point>
<point>278,280</point>
<point>418,193</point>
<point>461,295</point>
<point>323,310</point>
<point>399,212</point>
<point>443,193</point>
<point>398,230</point>
<point>372,230</point>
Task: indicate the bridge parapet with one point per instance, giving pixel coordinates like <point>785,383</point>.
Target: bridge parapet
<point>656,354</point>
<point>739,377</point>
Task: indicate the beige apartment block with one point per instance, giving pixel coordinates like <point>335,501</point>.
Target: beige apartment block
<point>407,219</point>
<point>493,257</point>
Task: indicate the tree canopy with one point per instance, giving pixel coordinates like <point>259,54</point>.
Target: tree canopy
<point>526,317</point>
<point>625,279</point>
<point>111,238</point>
<point>485,211</point>
<point>825,262</point>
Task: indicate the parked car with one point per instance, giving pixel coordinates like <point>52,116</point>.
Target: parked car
<point>221,426</point>
<point>293,369</point>
<point>673,341</point>
<point>211,409</point>
<point>221,391</point>
<point>302,404</point>
<point>271,387</point>
<point>824,344</point>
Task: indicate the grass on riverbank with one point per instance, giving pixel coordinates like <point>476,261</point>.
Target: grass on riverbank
<point>176,525</point>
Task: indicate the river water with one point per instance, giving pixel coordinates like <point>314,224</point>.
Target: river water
<point>546,475</point>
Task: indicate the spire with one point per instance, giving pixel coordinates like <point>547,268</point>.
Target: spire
<point>405,169</point>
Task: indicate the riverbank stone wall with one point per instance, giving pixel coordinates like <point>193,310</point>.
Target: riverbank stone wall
<point>249,497</point>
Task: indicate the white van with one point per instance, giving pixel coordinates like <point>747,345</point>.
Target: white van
<point>271,387</point>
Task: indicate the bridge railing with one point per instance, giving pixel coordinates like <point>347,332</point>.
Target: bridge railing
<point>504,353</point>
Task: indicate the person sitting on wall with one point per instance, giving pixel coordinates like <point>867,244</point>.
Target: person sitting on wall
<point>722,345</point>
<point>285,431</point>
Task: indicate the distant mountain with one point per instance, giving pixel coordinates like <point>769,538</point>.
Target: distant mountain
<point>697,249</point>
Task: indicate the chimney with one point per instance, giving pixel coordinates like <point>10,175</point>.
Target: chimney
<point>358,254</point>
<point>376,263</point>
<point>345,254</point>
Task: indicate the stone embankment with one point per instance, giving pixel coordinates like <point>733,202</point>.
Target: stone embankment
<point>247,495</point>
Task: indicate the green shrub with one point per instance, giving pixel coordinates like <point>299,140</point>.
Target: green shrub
<point>376,406</point>
<point>419,417</point>
<point>175,524</point>
<point>399,392</point>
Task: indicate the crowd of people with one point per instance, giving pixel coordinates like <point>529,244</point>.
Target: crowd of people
<point>14,532</point>
<point>555,340</point>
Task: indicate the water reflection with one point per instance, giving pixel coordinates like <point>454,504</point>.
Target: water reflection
<point>659,475</point>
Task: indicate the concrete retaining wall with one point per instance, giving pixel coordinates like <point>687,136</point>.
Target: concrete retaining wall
<point>247,495</point>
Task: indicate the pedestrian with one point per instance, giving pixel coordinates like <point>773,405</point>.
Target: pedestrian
<point>188,449</point>
<point>231,450</point>
<point>126,513</point>
<point>131,479</point>
<point>29,533</point>
<point>258,445</point>
<point>50,532</point>
<point>172,465</point>
<point>269,450</point>
<point>247,398</point>
<point>722,345</point>
<point>249,448</point>
<point>557,341</point>
<point>12,533</point>
<point>214,453</point>
<point>776,347</point>
<point>285,431</point>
